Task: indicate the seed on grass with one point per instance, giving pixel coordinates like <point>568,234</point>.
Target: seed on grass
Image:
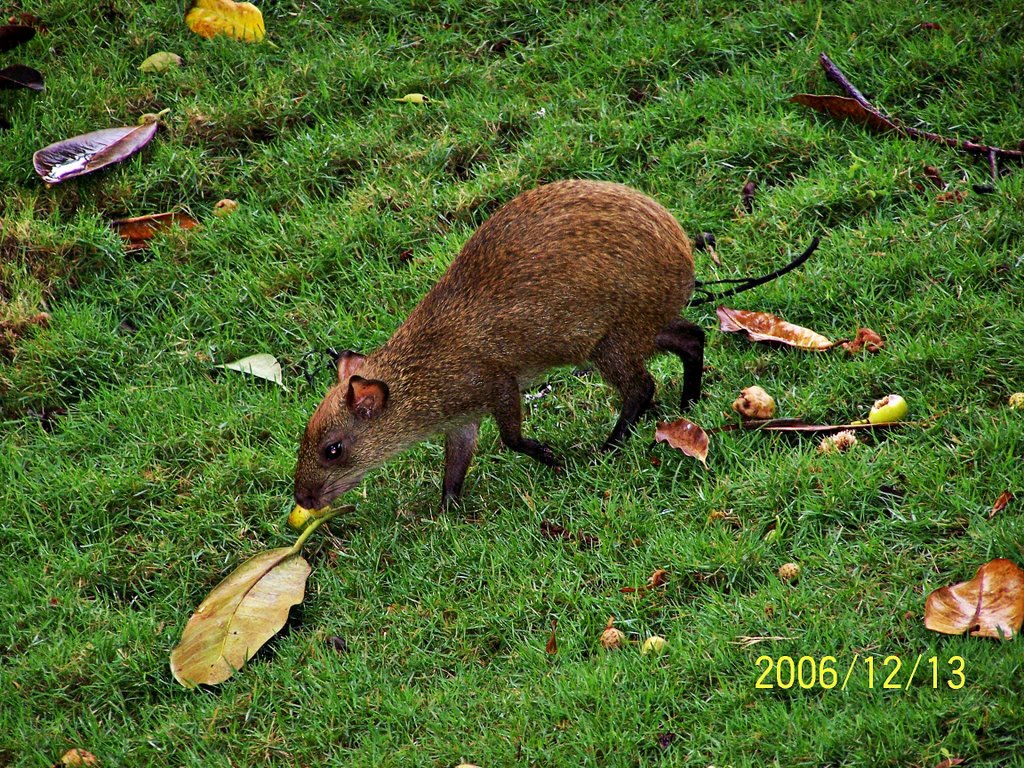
<point>789,571</point>
<point>612,638</point>
<point>338,644</point>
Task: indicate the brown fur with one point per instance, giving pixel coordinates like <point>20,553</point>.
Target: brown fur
<point>567,273</point>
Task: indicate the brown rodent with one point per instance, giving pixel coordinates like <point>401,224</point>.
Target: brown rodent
<point>569,272</point>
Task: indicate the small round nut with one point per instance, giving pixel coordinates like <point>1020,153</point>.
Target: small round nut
<point>1017,401</point>
<point>225,207</point>
<point>789,571</point>
<point>754,403</point>
<point>612,638</point>
<point>653,644</point>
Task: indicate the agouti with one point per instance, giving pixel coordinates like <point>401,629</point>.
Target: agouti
<point>566,273</point>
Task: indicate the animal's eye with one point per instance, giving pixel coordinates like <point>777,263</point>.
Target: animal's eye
<point>334,451</point>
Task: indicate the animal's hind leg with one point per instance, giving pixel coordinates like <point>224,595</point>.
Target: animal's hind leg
<point>686,340</point>
<point>624,369</point>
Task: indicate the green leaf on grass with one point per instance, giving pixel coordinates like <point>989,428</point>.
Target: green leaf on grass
<point>241,613</point>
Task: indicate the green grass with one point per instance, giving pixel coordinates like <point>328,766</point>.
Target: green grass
<point>134,476</point>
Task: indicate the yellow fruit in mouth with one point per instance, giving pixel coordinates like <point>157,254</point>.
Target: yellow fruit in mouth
<point>889,409</point>
<point>299,518</point>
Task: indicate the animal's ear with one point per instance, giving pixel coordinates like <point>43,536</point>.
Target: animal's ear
<point>366,398</point>
<point>348,363</point>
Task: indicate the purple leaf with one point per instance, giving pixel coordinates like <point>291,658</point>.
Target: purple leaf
<point>20,76</point>
<point>91,151</point>
<point>14,34</point>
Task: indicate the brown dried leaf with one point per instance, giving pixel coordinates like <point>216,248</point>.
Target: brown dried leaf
<point>139,230</point>
<point>20,76</point>
<point>762,326</point>
<point>844,107</point>
<point>15,34</point>
<point>866,339</point>
<point>1004,498</point>
<point>989,604</point>
<point>951,762</point>
<point>932,174</point>
<point>552,646</point>
<point>954,197</point>
<point>686,436</point>
<point>74,758</point>
<point>658,578</point>
<point>748,194</point>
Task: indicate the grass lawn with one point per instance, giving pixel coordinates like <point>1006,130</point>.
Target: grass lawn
<point>134,475</point>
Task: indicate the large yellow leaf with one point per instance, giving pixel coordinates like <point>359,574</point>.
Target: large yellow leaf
<point>239,616</point>
<point>242,21</point>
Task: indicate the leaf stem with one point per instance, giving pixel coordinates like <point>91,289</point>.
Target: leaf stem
<point>317,522</point>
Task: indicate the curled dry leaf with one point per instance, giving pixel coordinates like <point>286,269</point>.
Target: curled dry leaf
<point>843,107</point>
<point>1004,498</point>
<point>91,151</point>
<point>762,326</point>
<point>77,757</point>
<point>160,61</point>
<point>754,403</point>
<point>989,605</point>
<point>241,21</point>
<point>139,230</point>
<point>686,436</point>
<point>263,366</point>
<point>241,613</point>
<point>552,646</point>
<point>865,339</point>
<point>658,578</point>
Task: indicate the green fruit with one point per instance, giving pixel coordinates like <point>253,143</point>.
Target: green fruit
<point>889,409</point>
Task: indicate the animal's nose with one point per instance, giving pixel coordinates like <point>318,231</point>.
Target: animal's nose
<point>307,499</point>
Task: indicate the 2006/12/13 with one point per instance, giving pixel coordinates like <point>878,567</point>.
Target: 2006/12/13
<point>807,672</point>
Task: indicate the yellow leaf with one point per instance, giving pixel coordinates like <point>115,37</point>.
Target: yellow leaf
<point>160,62</point>
<point>414,98</point>
<point>239,616</point>
<point>242,21</point>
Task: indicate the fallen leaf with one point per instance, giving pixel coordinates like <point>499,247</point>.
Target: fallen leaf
<point>748,193</point>
<point>241,613</point>
<point>91,151</point>
<point>686,436</point>
<point>800,426</point>
<point>160,61</point>
<point>263,366</point>
<point>20,76</point>
<point>241,21</point>
<point>990,604</point>
<point>932,174</point>
<point>77,757</point>
<point>138,231</point>
<point>552,646</point>
<point>658,578</point>
<point>865,339</point>
<point>844,107</point>
<point>12,35</point>
<point>552,530</point>
<point>954,196</point>
<point>1004,498</point>
<point>762,326</point>
<point>414,98</point>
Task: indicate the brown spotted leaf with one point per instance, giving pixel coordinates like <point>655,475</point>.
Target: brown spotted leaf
<point>686,436</point>
<point>990,604</point>
<point>241,613</point>
<point>846,108</point>
<point>138,231</point>
<point>762,326</point>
